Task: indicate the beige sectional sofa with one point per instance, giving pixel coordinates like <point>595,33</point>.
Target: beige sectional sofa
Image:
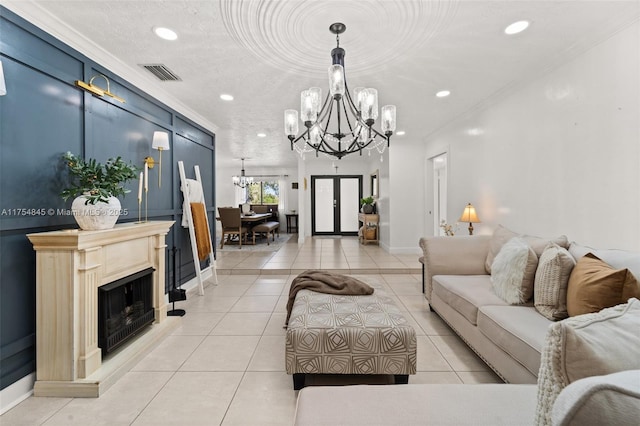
<point>509,338</point>
<point>589,375</point>
<point>579,371</point>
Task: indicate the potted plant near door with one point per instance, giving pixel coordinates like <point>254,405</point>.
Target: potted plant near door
<point>95,187</point>
<point>367,205</point>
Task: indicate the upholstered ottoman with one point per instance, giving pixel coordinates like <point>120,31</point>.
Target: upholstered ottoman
<point>334,334</point>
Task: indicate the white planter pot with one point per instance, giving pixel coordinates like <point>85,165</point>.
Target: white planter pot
<point>93,217</point>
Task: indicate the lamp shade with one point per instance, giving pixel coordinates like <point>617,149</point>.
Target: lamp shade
<point>290,122</point>
<point>336,80</point>
<point>369,104</point>
<point>469,215</point>
<point>388,118</point>
<point>160,141</point>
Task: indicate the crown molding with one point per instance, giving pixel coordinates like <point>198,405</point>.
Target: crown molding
<point>41,18</point>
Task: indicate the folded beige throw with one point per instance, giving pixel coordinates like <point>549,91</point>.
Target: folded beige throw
<point>325,282</point>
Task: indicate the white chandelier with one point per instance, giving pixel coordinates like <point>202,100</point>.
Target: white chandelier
<point>242,181</point>
<point>352,130</point>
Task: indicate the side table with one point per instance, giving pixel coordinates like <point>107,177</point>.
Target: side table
<point>292,223</point>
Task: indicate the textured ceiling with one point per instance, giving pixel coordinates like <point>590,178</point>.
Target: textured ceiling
<point>264,52</point>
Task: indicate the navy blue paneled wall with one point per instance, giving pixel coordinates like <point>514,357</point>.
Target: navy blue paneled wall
<point>44,115</point>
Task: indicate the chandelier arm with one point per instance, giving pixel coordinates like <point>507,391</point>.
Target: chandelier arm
<point>328,114</point>
<point>346,115</point>
<point>352,105</point>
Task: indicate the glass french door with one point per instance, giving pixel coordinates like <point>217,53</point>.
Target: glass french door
<point>335,202</point>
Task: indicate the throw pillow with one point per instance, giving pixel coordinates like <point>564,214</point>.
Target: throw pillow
<point>585,346</point>
<point>552,277</point>
<point>500,236</point>
<point>594,285</point>
<point>513,271</point>
<point>539,244</point>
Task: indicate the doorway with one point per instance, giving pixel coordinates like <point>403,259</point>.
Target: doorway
<point>335,202</point>
<point>439,192</point>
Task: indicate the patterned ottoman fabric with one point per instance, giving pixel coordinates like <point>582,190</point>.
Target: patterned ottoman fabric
<point>331,334</point>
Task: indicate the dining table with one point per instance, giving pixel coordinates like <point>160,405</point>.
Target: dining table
<point>253,218</point>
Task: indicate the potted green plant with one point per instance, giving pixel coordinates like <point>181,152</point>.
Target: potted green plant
<point>96,187</point>
<point>367,205</point>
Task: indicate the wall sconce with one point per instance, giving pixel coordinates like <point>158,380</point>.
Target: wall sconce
<point>160,142</point>
<point>96,90</point>
<point>469,215</point>
<point>3,87</point>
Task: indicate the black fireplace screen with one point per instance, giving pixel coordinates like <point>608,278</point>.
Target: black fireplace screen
<point>125,307</point>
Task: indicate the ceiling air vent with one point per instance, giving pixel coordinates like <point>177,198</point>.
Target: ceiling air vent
<point>162,72</point>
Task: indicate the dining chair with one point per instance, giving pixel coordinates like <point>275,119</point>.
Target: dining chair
<point>231,225</point>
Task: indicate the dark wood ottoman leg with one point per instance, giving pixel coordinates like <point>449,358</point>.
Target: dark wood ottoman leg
<point>401,379</point>
<point>298,381</point>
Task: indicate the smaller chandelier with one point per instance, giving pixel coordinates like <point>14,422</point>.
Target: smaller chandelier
<point>242,181</point>
<point>341,124</point>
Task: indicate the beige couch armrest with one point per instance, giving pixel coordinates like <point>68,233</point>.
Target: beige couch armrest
<point>464,255</point>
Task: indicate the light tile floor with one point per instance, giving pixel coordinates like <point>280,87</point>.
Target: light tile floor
<point>225,364</point>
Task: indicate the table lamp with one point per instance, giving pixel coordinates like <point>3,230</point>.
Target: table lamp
<point>469,215</point>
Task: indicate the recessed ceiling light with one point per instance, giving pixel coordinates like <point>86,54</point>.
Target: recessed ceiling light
<point>262,135</point>
<point>165,33</point>
<point>400,133</point>
<point>443,93</point>
<point>516,27</point>
<point>226,97</point>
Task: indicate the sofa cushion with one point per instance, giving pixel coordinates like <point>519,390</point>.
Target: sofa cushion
<point>501,235</point>
<point>594,285</point>
<point>612,399</point>
<point>517,330</point>
<point>465,293</point>
<point>552,278</point>
<point>513,271</point>
<point>587,345</point>
<point>538,244</point>
<point>499,238</point>
<point>616,258</point>
<point>416,404</point>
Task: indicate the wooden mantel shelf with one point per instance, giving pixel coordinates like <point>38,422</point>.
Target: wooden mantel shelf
<point>70,266</point>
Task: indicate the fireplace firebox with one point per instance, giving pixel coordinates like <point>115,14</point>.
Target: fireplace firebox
<point>125,307</point>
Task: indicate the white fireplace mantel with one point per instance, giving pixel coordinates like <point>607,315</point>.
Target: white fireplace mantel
<point>70,266</point>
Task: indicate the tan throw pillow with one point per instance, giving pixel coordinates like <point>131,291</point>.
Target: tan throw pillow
<point>552,277</point>
<point>594,285</point>
<point>585,346</point>
<point>500,236</point>
<point>513,271</point>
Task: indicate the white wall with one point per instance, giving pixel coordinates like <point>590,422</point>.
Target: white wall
<point>559,155</point>
<point>403,198</point>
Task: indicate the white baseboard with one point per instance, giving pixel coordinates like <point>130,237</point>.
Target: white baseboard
<point>16,393</point>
